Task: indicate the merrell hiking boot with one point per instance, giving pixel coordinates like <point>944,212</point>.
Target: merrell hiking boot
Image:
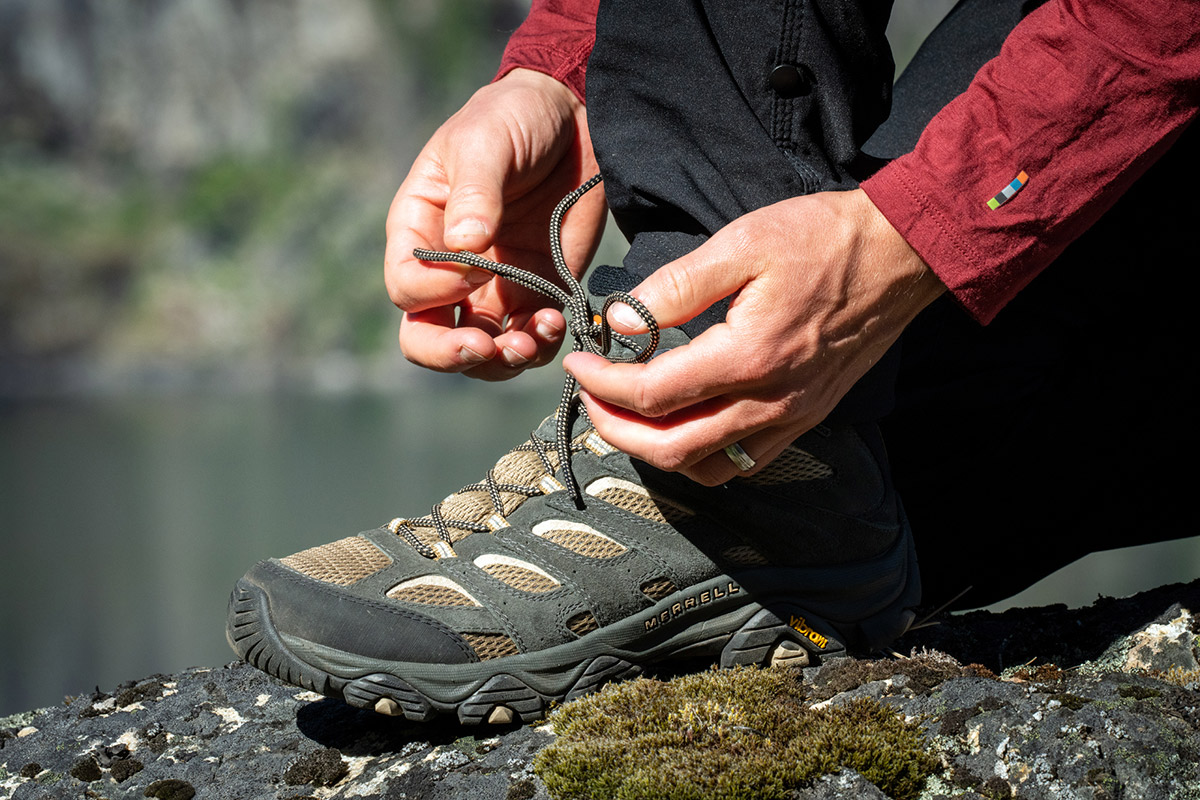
<point>571,564</point>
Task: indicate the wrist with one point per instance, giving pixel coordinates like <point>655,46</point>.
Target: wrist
<point>910,277</point>
<point>554,89</point>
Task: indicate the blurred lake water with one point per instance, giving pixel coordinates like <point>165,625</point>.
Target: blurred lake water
<point>126,520</point>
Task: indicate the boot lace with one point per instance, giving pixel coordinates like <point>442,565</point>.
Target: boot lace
<point>591,332</point>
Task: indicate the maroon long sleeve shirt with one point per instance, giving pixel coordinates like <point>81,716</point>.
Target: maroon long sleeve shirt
<point>1082,98</point>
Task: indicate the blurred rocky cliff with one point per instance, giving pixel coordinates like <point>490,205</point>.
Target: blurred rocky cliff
<point>203,183</point>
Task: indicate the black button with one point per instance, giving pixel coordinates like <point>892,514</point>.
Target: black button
<point>790,81</point>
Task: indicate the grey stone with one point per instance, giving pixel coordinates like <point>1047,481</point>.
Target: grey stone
<point>841,786</point>
<point>1086,728</point>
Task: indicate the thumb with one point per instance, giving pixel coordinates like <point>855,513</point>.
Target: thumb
<point>680,290</point>
<point>476,200</point>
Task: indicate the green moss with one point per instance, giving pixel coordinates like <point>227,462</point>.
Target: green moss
<point>1071,701</point>
<point>724,734</point>
<point>1138,692</point>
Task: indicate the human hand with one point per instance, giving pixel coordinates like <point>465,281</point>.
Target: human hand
<point>487,182</point>
<point>824,286</point>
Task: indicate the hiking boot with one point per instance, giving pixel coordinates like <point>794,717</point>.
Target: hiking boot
<point>572,564</point>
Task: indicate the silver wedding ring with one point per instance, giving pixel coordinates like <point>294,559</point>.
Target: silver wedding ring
<point>740,458</point>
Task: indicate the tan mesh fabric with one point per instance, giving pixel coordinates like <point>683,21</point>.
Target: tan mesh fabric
<point>491,645</point>
<point>651,508</point>
<point>525,580</point>
<point>435,592</point>
<point>659,588</point>
<point>582,623</point>
<point>580,539</point>
<point>745,556</point>
<point>793,464</point>
<point>342,562</point>
<point>522,467</point>
<point>519,467</point>
<point>637,500</point>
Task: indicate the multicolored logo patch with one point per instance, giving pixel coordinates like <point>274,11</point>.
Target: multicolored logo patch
<point>1008,192</point>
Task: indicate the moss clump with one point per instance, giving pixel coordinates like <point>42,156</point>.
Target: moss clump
<point>1187,678</point>
<point>724,734</point>
<point>1071,701</point>
<point>1138,692</point>
<point>1042,673</point>
<point>925,671</point>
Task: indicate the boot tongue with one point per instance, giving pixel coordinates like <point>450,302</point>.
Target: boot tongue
<point>547,430</point>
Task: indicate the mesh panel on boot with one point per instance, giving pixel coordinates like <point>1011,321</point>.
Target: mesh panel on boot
<point>491,645</point>
<point>342,562</point>
<point>658,588</point>
<point>432,590</point>
<point>579,538</point>
<point>583,623</point>
<point>517,574</point>
<point>638,500</point>
<point>744,556</point>
<point>793,464</point>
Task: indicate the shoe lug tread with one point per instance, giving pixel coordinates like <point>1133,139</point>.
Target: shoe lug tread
<point>602,670</point>
<point>502,690</point>
<point>369,690</point>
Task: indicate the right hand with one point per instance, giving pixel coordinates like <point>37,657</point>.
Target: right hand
<point>487,182</point>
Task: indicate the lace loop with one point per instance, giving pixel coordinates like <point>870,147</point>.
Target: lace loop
<point>590,331</point>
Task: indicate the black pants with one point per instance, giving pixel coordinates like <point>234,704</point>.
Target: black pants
<point>1060,429</point>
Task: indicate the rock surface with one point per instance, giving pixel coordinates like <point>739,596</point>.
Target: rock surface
<point>1097,704</point>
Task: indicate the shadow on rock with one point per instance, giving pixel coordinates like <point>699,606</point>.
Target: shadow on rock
<point>355,732</point>
<point>1054,634</point>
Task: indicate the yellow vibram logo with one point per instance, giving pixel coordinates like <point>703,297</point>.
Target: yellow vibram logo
<point>800,625</point>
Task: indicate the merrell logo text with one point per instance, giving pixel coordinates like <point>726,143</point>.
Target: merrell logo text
<point>695,601</point>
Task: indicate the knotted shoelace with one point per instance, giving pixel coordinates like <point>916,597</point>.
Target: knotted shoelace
<point>589,330</point>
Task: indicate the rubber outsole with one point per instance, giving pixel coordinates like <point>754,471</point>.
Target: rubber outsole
<point>486,692</point>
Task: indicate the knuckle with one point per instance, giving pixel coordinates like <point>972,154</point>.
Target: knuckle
<point>471,195</point>
<point>649,401</point>
<point>669,456</point>
<point>755,367</point>
<point>741,243</point>
<point>707,476</point>
<point>675,284</point>
<point>397,291</point>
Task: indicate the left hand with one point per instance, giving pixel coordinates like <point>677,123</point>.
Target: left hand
<point>824,286</point>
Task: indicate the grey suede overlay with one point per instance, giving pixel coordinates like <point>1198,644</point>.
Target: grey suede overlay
<point>820,538</point>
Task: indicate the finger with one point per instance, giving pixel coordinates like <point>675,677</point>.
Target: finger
<point>414,285</point>
<point>545,328</point>
<point>476,173</point>
<point>548,328</point>
<point>762,448</point>
<point>430,339</point>
<point>680,290</point>
<point>682,439</point>
<point>709,366</point>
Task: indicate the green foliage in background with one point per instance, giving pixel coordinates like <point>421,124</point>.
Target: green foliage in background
<point>265,245</point>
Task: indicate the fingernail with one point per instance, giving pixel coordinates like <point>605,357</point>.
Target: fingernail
<point>547,330</point>
<point>467,227</point>
<point>627,318</point>
<point>477,277</point>
<point>512,357</point>
<point>469,356</point>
